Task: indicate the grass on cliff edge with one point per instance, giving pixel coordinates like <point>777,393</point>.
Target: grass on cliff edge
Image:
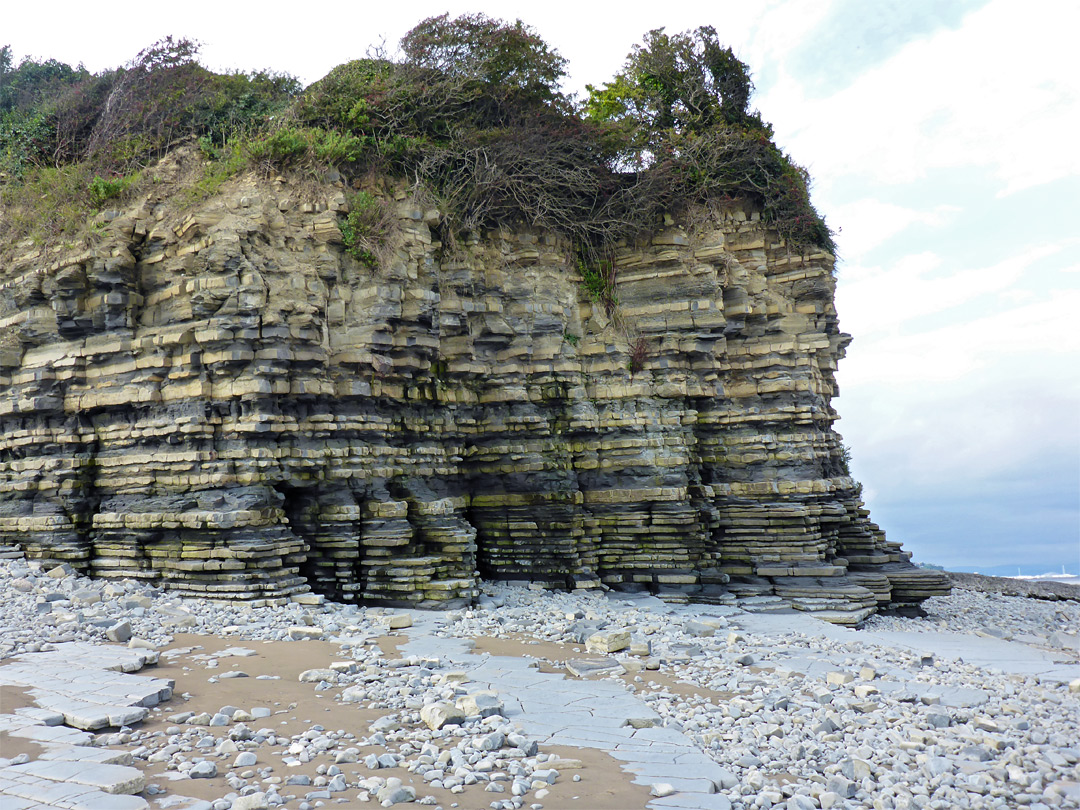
<point>471,110</point>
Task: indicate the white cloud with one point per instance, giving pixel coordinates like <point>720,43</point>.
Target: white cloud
<point>999,93</point>
<point>891,299</point>
<point>1034,339</point>
<point>864,224</point>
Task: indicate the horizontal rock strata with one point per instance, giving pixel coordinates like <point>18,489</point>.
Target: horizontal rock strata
<point>221,401</point>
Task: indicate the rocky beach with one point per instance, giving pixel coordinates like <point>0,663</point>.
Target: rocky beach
<point>429,436</point>
<point>117,695</point>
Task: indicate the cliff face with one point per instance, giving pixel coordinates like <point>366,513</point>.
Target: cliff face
<point>221,401</point>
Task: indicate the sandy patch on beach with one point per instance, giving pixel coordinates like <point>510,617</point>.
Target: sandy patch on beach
<point>298,706</point>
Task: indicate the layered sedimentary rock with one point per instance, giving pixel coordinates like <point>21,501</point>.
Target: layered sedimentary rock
<point>222,401</point>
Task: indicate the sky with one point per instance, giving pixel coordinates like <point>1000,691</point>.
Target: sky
<point>941,137</point>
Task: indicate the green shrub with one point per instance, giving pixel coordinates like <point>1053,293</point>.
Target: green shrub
<point>348,96</point>
<point>367,229</point>
<point>281,147</point>
<point>598,281</point>
<point>102,190</point>
<point>295,146</point>
<point>337,149</point>
<point>24,138</point>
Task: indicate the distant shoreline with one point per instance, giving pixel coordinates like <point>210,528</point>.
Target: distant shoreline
<point>1008,586</point>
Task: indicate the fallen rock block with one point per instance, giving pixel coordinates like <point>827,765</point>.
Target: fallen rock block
<point>305,633</point>
<point>699,629</point>
<point>437,715</point>
<point>608,641</point>
<point>398,621</point>
<point>484,703</point>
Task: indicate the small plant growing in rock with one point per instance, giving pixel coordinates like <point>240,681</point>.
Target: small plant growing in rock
<point>843,458</point>
<point>598,281</point>
<point>367,229</point>
<point>638,351</point>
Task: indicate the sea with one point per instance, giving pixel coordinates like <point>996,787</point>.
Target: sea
<point>1030,573</point>
<point>1064,579</point>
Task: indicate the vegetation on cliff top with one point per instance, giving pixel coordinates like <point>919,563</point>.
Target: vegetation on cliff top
<point>470,111</point>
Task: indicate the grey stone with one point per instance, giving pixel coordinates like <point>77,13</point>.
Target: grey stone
<point>119,632</point>
<point>203,770</point>
<point>337,784</point>
<point>841,786</point>
<point>490,742</point>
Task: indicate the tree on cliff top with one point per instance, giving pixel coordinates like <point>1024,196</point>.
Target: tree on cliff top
<point>681,106</point>
<point>673,87</point>
<point>123,119</point>
<point>503,56</point>
<point>71,140</point>
<point>470,72</point>
<point>32,82</point>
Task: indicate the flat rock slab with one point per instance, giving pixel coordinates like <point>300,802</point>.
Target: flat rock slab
<point>20,790</point>
<point>86,753</point>
<point>1007,656</point>
<point>89,685</point>
<point>102,776</point>
<point>52,735</point>
<point>98,656</point>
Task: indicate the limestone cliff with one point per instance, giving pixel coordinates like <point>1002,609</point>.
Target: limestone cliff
<point>221,401</point>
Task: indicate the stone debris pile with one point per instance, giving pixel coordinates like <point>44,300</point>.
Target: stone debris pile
<point>697,706</point>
